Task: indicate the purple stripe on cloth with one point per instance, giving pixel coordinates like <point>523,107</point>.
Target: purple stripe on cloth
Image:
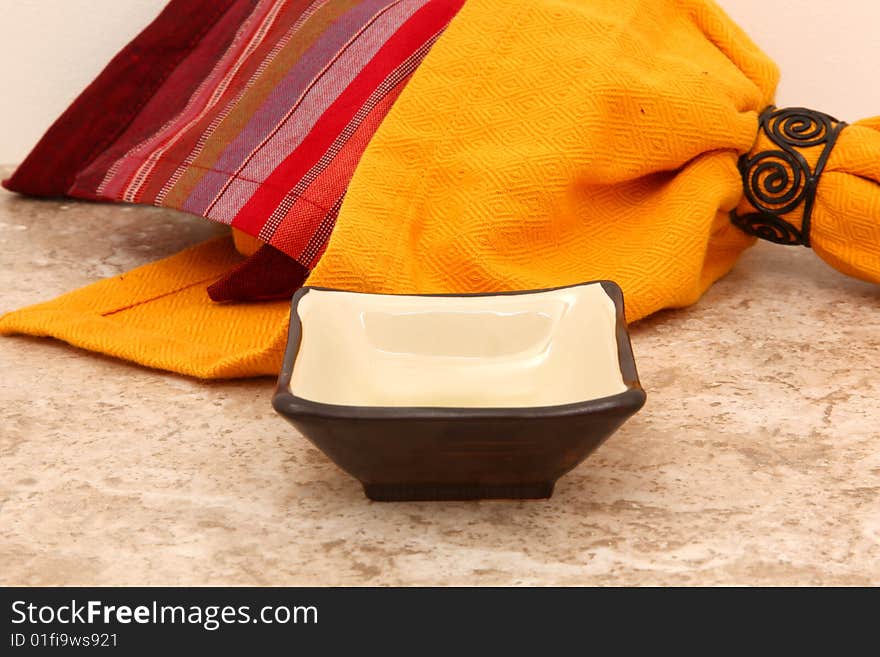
<point>388,84</point>
<point>218,120</point>
<point>319,93</point>
<point>119,175</point>
<point>279,102</point>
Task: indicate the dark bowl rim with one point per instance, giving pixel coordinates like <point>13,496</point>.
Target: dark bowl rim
<point>629,401</point>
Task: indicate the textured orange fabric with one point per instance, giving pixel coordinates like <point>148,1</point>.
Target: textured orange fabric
<point>553,142</point>
<point>846,217</point>
<point>158,315</point>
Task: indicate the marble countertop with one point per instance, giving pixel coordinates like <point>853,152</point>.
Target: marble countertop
<point>755,461</point>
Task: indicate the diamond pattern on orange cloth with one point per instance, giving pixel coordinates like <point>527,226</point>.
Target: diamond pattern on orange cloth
<point>846,216</point>
<point>553,142</point>
<point>158,315</point>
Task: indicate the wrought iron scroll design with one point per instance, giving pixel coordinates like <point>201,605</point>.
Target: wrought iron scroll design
<point>779,180</point>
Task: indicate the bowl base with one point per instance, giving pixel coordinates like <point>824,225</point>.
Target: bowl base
<point>449,492</point>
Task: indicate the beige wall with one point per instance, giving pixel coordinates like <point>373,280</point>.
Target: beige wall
<point>49,51</point>
<point>829,53</point>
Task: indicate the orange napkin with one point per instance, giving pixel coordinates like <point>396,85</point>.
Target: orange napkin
<point>158,315</point>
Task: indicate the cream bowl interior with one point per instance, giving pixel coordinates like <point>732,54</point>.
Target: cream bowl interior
<point>518,350</point>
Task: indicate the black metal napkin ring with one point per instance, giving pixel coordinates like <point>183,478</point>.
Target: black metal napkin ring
<point>778,181</point>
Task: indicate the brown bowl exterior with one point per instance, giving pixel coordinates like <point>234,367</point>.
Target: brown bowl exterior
<point>401,453</point>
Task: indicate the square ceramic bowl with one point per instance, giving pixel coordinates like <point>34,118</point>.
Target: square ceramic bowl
<point>430,397</point>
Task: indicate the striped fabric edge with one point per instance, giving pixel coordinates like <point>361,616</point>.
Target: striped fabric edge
<point>195,63</point>
<point>121,90</point>
<point>313,250</point>
<point>311,238</point>
<point>382,73</point>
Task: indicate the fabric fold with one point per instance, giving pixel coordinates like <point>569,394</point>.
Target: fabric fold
<point>158,315</point>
